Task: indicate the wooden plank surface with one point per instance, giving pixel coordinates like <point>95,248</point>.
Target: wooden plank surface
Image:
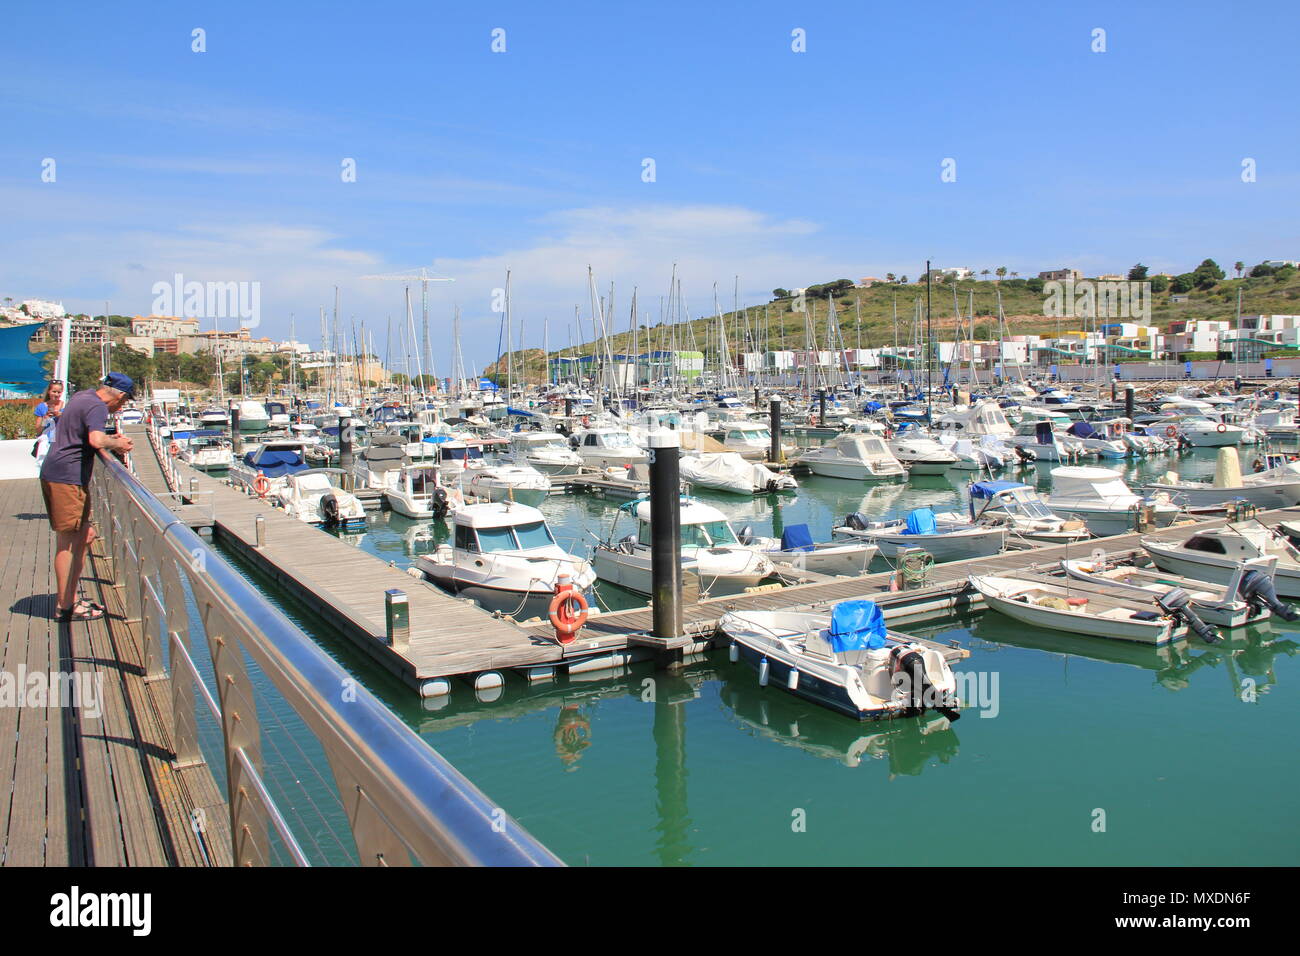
<point>87,785</point>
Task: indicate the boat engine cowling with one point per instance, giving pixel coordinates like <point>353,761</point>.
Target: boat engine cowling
<point>440,504</point>
<point>330,507</point>
<point>908,674</point>
<point>1256,588</point>
<point>1177,604</point>
<point>857,521</point>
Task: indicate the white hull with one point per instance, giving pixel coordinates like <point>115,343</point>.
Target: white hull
<point>1286,580</point>
<point>1002,600</point>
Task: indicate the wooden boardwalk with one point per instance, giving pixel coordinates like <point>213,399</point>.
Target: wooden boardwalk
<point>88,785</point>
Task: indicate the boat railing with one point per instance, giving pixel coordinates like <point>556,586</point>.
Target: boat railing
<point>334,776</point>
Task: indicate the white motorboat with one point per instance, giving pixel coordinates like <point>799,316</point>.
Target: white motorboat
<point>1220,605</point>
<point>748,439</point>
<point>727,471</point>
<point>379,464</point>
<point>214,418</point>
<point>419,494</point>
<point>1101,499</point>
<point>920,454</point>
<point>604,446</point>
<point>1277,487</point>
<point>982,453</point>
<point>206,449</point>
<point>855,457</point>
<point>547,452</point>
<point>709,548</point>
<point>264,469</point>
<point>1058,608</point>
<point>1100,439</point>
<point>920,529</point>
<point>504,556</point>
<point>506,482</point>
<point>458,458</point>
<point>796,549</point>
<point>846,660</point>
<point>253,417</point>
<point>313,496</point>
<point>1201,432</point>
<point>1040,438</point>
<point>1020,510</point>
<point>1213,554</point>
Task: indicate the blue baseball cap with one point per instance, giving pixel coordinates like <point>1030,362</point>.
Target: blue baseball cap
<point>123,383</point>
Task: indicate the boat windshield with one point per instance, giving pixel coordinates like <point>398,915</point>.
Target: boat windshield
<point>534,535</point>
<point>496,539</point>
<point>1026,504</point>
<point>616,440</point>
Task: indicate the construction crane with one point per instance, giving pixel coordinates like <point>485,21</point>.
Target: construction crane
<point>423,276</point>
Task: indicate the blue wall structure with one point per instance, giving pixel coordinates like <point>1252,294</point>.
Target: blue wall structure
<point>20,370</point>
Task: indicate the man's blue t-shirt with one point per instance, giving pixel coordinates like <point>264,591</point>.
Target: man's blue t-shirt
<point>71,457</point>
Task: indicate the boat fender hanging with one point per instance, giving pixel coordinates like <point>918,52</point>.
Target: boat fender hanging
<point>763,668</point>
<point>733,652</point>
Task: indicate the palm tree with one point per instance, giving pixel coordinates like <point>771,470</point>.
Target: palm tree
<point>1015,275</point>
<point>903,280</point>
<point>1239,266</point>
<point>984,272</point>
<point>1001,271</point>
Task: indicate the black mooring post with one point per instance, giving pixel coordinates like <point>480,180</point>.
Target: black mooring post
<point>1128,403</point>
<point>774,427</point>
<point>345,448</point>
<point>757,400</point>
<point>665,533</point>
<point>821,401</point>
<point>236,440</point>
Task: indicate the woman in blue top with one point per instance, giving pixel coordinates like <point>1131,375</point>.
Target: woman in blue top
<point>51,404</point>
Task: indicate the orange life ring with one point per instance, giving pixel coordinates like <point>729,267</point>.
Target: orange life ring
<point>174,450</point>
<point>261,484</point>
<point>1171,431</point>
<point>1222,428</point>
<point>564,620</point>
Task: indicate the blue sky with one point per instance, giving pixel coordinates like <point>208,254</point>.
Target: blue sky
<point>781,168</point>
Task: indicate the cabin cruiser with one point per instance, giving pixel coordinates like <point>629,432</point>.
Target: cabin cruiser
<point>504,556</point>
<point>1277,487</point>
<point>313,496</point>
<point>984,417</point>
<point>1235,604</point>
<point>1102,500</point>
<point>604,446</point>
<point>1100,439</point>
<point>983,452</point>
<point>1040,438</point>
<point>856,457</point>
<point>206,449</point>
<point>418,493</point>
<point>847,661</point>
<point>214,418</point>
<point>709,548</point>
<point>1201,432</point>
<point>1020,510</point>
<point>727,471</point>
<point>253,417</point>
<point>547,452</point>
<point>264,469</point>
<point>920,454</point>
<point>379,464</point>
<point>507,483</point>
<point>457,459</point>
<point>277,415</point>
<point>748,439</point>
<point>921,529</point>
<point>1213,554</point>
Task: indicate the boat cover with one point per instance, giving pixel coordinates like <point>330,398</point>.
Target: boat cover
<point>276,462</point>
<point>797,537</point>
<point>921,521</point>
<point>987,489</point>
<point>856,626</point>
<point>1082,430</point>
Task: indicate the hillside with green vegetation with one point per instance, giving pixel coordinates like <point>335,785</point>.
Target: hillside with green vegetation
<point>866,315</point>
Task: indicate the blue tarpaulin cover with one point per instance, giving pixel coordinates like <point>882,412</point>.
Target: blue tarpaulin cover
<point>856,626</point>
<point>274,463</point>
<point>1081,430</point>
<point>797,537</point>
<point>921,521</point>
<point>987,489</point>
<point>874,406</point>
<point>518,411</point>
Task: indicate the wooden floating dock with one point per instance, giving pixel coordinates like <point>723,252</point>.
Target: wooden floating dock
<point>452,637</point>
<point>89,785</point>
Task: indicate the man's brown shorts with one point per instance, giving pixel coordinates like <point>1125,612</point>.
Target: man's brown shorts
<point>67,505</point>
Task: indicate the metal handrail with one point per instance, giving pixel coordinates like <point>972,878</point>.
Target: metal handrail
<point>413,798</point>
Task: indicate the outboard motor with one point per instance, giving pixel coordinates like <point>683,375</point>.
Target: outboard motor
<point>1024,454</point>
<point>746,535</point>
<point>330,505</point>
<point>440,504</point>
<point>857,521</point>
<point>1256,588</point>
<point>909,663</point>
<point>1177,604</point>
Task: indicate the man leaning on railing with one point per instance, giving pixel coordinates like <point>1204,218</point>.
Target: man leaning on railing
<point>65,478</point>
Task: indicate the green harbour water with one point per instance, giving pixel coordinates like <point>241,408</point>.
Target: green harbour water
<point>1089,753</point>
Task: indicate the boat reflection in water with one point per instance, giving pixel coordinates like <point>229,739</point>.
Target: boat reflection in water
<point>909,744</point>
<point>1245,655</point>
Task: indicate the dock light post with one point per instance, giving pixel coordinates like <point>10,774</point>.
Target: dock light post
<point>1128,403</point>
<point>774,428</point>
<point>397,617</point>
<point>665,533</point>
